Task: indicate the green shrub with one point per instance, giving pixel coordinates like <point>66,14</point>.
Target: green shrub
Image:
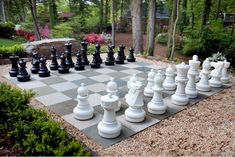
<point>91,48</point>
<point>7,30</point>
<point>15,49</point>
<point>31,129</point>
<point>63,30</point>
<point>162,38</point>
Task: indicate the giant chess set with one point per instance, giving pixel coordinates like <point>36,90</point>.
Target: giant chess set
<point>116,99</point>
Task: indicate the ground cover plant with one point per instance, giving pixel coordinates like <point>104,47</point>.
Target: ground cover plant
<point>31,130</point>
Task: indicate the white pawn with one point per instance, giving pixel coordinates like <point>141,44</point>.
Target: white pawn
<point>216,74</point>
<point>109,127</point>
<point>132,79</point>
<point>148,91</point>
<point>180,97</point>
<point>135,112</point>
<point>169,82</point>
<point>225,78</point>
<point>83,110</point>
<point>190,89</point>
<point>203,84</point>
<point>113,89</point>
<point>156,105</point>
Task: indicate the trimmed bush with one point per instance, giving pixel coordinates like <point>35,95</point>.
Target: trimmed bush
<point>31,129</point>
<point>15,49</point>
<point>7,30</point>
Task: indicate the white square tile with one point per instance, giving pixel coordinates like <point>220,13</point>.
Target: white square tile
<point>53,98</point>
<point>101,78</point>
<point>63,86</point>
<point>72,77</point>
<point>155,66</point>
<point>127,78</point>
<point>131,71</point>
<point>131,65</point>
<point>94,99</point>
<point>98,87</point>
<point>137,126</point>
<point>36,77</point>
<point>31,84</point>
<point>105,70</point>
<point>82,124</point>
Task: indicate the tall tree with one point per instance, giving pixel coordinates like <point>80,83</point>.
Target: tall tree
<point>113,22</point>
<point>53,12</point>
<point>32,5</point>
<point>137,26</point>
<point>2,10</point>
<point>151,27</point>
<point>206,11</point>
<point>218,9</point>
<point>101,14</point>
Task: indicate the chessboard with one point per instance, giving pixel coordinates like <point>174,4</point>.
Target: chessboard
<point>59,91</point>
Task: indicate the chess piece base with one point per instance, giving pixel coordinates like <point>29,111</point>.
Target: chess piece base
<point>63,71</point>
<point>96,66</point>
<point>157,107</point>
<point>43,74</point>
<point>119,62</point>
<point>191,93</point>
<point>109,130</point>
<point>34,71</point>
<point>203,88</point>
<point>215,82</point>
<point>135,115</point>
<point>169,86</point>
<point>83,113</point>
<point>179,100</point>
<point>86,63</point>
<point>54,67</point>
<point>224,80</point>
<point>148,92</point>
<point>21,78</point>
<point>109,63</point>
<point>70,65</point>
<point>131,59</point>
<point>13,73</point>
<point>79,68</point>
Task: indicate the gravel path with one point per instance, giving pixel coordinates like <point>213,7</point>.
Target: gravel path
<point>207,128</point>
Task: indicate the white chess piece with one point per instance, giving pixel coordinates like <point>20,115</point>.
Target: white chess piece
<point>109,127</point>
<point>216,74</point>
<point>169,82</point>
<point>190,88</point>
<point>113,89</point>
<point>148,91</point>
<point>180,97</point>
<point>203,84</point>
<point>156,105</point>
<point>225,78</point>
<point>83,110</point>
<point>132,79</point>
<point>135,113</point>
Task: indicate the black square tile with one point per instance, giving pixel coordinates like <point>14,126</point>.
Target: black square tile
<point>63,108</point>
<point>40,91</point>
<point>72,93</point>
<point>87,81</point>
<point>117,74</point>
<point>92,132</point>
<point>144,69</point>
<point>53,80</point>
<point>118,67</point>
<point>89,73</point>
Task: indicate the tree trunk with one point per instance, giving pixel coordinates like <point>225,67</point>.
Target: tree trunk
<point>151,27</point>
<point>192,14</point>
<point>170,29</point>
<point>174,30</point>
<point>101,15</point>
<point>137,26</point>
<point>3,11</point>
<point>206,11</point>
<point>106,14</point>
<point>33,12</point>
<point>121,19</point>
<point>113,22</point>
<point>52,10</point>
<point>218,9</point>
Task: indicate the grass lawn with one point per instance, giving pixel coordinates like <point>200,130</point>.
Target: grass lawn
<point>11,42</point>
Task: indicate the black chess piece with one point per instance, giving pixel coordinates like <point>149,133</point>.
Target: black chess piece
<point>23,74</point>
<point>68,52</point>
<point>122,49</point>
<point>120,58</point>
<point>43,71</point>
<point>131,57</point>
<point>54,64</point>
<point>84,53</point>
<point>97,46</point>
<point>35,63</point>
<point>14,65</point>
<point>110,59</point>
<point>79,65</point>
<point>63,67</point>
<point>95,62</point>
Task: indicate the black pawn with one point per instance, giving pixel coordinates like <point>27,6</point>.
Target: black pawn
<point>110,59</point>
<point>120,59</point>
<point>97,46</point>
<point>35,63</point>
<point>79,65</point>
<point>63,67</point>
<point>14,65</point>
<point>68,52</point>
<point>95,62</point>
<point>54,64</point>
<point>122,49</point>
<point>131,57</point>
<point>43,71</point>
<point>84,53</point>
<point>23,74</point>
